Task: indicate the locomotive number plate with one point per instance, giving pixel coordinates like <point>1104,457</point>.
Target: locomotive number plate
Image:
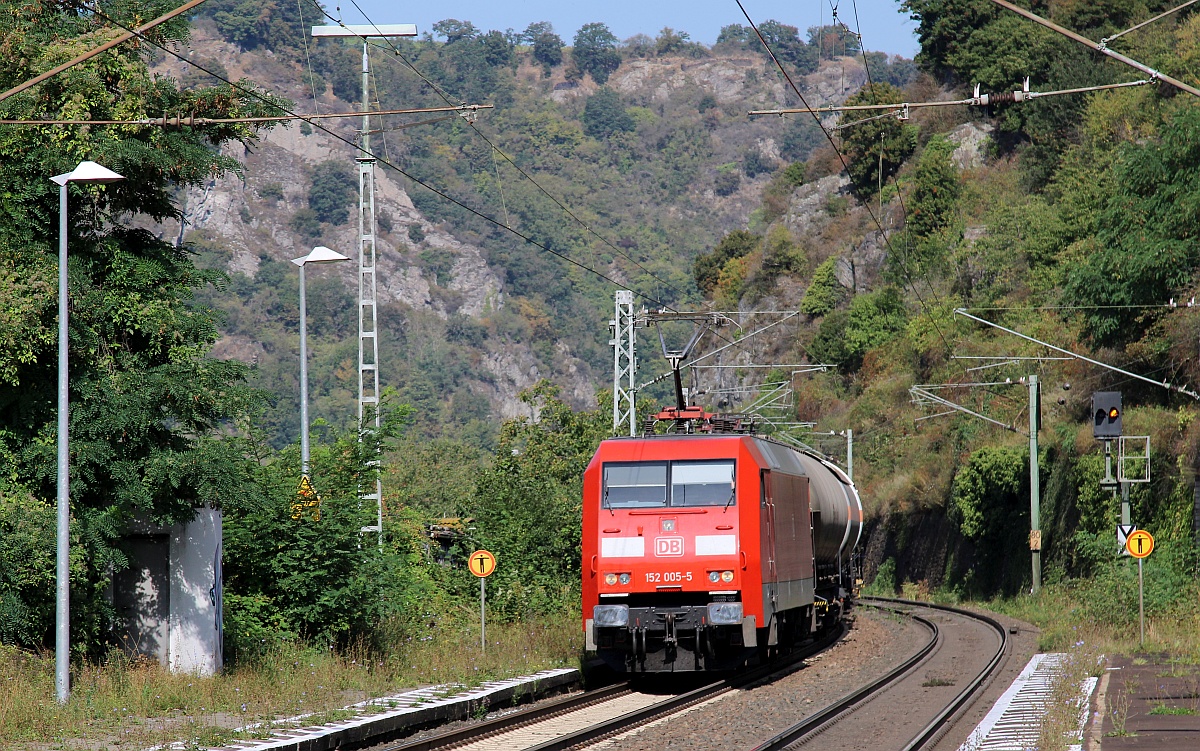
<point>654,577</point>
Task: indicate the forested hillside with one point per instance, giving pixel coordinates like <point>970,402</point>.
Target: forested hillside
<point>1072,222</point>
<point>604,164</point>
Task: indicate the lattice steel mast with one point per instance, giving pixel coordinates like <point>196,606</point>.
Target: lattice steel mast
<point>368,314</point>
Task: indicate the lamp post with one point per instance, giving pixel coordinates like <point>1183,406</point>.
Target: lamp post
<point>319,254</point>
<point>86,172</point>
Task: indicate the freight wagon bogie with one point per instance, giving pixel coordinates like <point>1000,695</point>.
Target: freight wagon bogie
<point>710,552</point>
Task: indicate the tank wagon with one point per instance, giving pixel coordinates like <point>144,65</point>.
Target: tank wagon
<point>710,551</point>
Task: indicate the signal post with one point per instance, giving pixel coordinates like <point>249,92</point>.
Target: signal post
<point>482,563</point>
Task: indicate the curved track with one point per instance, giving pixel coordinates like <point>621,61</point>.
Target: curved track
<point>825,718</point>
<point>587,718</point>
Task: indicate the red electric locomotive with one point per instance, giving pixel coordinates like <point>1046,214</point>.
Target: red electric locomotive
<point>707,551</point>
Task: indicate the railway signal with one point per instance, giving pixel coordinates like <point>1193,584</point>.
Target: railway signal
<point>1106,415</point>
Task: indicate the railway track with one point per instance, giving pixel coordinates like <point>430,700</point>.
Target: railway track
<point>517,729</point>
<point>819,721</point>
<point>587,718</point>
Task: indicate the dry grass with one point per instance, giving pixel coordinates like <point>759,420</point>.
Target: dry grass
<point>124,703</point>
<point>1065,707</point>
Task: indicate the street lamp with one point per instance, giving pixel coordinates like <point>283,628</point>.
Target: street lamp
<point>86,172</point>
<point>319,254</point>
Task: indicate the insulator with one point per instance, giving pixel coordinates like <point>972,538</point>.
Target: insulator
<point>1004,97</point>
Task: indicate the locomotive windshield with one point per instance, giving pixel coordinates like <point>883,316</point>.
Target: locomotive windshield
<point>645,484</point>
<point>640,485</point>
<point>702,483</point>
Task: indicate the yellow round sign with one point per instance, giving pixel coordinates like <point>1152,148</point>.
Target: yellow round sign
<point>1140,544</point>
<point>482,563</point>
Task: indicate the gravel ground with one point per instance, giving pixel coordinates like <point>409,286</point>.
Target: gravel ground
<point>739,718</point>
<point>875,643</point>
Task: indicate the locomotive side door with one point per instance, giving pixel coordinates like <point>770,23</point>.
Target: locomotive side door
<point>770,569</point>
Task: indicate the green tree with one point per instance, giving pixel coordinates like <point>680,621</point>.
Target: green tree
<point>824,292</point>
<point>1146,240</point>
<point>454,30</point>
<point>251,24</point>
<point>706,269</point>
<point>936,189</point>
<point>332,191</point>
<point>148,407</point>
<point>529,503</point>
<point>547,49</point>
<point>595,51</point>
<point>604,115</point>
<point>863,142</point>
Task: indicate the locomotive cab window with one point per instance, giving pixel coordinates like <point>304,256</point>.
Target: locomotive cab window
<point>635,485</point>
<point>707,483</point>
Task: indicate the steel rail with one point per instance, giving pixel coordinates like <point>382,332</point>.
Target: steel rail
<point>931,731</point>
<point>513,720</point>
<point>685,700</point>
<point>817,722</point>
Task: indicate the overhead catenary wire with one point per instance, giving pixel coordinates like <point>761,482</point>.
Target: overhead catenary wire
<point>842,158</point>
<point>1099,47</point>
<point>179,120</point>
<point>474,212</point>
<point>980,100</point>
<point>1162,15</point>
<point>129,34</point>
<point>312,77</point>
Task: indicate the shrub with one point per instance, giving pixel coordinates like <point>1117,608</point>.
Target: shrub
<point>306,224</point>
<point>754,163</point>
<point>707,267</point>
<point>824,292</point>
<point>726,182</point>
<point>333,188</point>
<point>271,192</point>
<point>604,115</point>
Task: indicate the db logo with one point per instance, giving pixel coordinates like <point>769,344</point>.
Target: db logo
<point>668,546</point>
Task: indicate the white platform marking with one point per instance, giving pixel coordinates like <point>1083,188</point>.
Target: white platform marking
<point>1012,724</point>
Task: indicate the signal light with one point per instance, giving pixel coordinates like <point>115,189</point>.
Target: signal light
<point>1106,411</point>
<point>610,579</point>
<point>726,576</point>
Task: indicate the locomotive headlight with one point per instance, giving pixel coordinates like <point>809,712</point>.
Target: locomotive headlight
<point>714,576</point>
<point>726,576</point>
<point>618,615</point>
<point>625,578</point>
<point>610,579</point>
<point>724,613</point>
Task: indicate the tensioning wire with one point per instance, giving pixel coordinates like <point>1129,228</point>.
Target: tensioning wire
<point>358,148</point>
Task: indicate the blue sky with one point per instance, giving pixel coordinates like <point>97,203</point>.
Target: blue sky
<point>884,27</point>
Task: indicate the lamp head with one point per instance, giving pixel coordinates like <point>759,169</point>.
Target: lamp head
<point>320,254</point>
<point>88,172</point>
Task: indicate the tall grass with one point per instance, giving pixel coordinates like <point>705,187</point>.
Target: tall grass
<point>122,702</point>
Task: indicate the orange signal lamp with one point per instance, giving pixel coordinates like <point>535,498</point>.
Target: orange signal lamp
<point>1114,413</point>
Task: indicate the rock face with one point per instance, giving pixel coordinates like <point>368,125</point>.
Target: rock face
<point>251,215</point>
<point>970,140</point>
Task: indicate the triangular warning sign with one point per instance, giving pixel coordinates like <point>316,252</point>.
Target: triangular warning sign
<point>306,489</point>
<point>306,500</point>
<point>1124,531</point>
